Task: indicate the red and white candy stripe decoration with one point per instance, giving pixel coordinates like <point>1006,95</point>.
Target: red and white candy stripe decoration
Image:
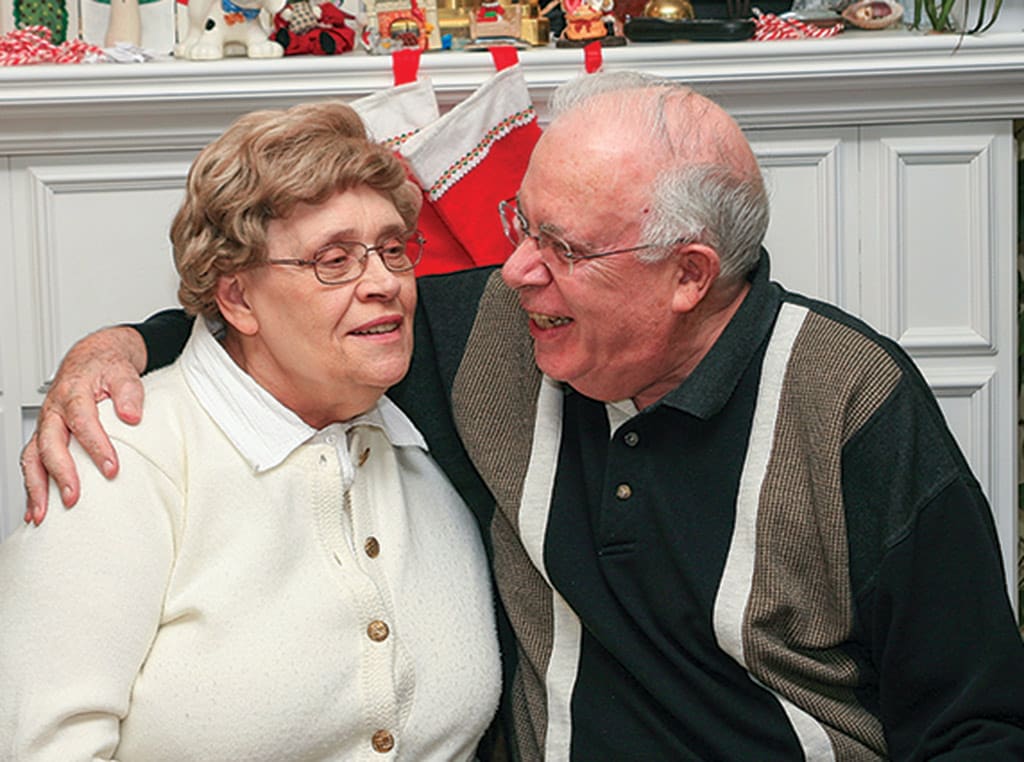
<point>768,26</point>
<point>32,45</point>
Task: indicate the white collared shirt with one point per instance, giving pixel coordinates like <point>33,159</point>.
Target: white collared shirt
<point>265,431</point>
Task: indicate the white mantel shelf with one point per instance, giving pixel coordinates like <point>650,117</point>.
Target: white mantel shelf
<point>855,78</point>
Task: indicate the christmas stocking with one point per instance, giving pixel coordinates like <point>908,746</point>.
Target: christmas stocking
<point>475,156</point>
<point>391,117</point>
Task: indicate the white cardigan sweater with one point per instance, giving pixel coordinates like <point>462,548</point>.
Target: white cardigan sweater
<point>204,606</point>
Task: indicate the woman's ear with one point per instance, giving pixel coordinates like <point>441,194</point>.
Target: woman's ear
<point>233,304</point>
<point>697,271</point>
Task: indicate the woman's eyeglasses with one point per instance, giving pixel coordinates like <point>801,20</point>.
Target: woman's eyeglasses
<point>344,261</point>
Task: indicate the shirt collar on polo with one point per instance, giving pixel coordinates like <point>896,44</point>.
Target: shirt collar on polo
<point>708,388</point>
<point>618,413</point>
<point>263,430</point>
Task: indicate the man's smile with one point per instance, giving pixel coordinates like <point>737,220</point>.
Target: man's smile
<point>545,322</point>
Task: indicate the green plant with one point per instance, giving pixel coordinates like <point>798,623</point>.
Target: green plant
<point>942,18</point>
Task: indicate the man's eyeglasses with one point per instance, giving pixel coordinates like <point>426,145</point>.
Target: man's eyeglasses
<point>344,261</point>
<point>517,230</point>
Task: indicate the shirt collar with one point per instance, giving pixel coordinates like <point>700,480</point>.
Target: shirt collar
<point>618,413</point>
<point>263,430</point>
<point>706,390</point>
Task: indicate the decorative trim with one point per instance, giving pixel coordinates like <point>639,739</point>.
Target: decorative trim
<point>398,140</point>
<point>465,163</point>
<point>444,151</point>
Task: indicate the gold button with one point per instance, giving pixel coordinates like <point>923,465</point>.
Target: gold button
<point>377,630</point>
<point>623,492</point>
<point>372,547</point>
<point>363,456</point>
<point>383,741</point>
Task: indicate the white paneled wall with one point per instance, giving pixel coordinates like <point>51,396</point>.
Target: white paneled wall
<point>812,179</point>
<point>889,159</point>
<point>96,230</point>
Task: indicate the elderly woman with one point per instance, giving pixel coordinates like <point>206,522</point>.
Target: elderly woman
<point>280,571</point>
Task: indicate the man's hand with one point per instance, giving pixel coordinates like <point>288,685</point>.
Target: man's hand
<point>104,364</point>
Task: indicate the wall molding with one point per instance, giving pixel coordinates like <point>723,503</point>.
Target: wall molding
<point>48,185</point>
<point>822,155</point>
<point>912,233</point>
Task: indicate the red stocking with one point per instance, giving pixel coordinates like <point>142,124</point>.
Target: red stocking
<point>475,156</point>
<point>392,116</point>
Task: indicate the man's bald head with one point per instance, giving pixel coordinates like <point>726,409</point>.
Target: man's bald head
<point>699,177</point>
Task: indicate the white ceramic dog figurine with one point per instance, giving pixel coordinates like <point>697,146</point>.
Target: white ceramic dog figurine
<point>219,27</point>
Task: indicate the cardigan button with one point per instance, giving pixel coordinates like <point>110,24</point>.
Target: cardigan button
<point>377,630</point>
<point>631,439</point>
<point>623,492</point>
<point>383,741</point>
<point>372,547</point>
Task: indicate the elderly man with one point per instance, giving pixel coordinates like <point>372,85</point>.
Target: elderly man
<point>725,521</point>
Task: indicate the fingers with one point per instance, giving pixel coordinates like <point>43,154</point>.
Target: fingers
<point>36,482</point>
<point>51,441</point>
<point>103,364</point>
<point>126,392</point>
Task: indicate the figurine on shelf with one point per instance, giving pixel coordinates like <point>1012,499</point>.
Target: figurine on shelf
<point>503,23</point>
<point>225,27</point>
<point>320,29</point>
<point>400,24</point>
<point>492,22</point>
<point>490,11</point>
<point>588,21</point>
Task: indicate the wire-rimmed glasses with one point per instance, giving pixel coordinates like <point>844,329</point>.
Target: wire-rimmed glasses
<point>517,230</point>
<point>344,261</point>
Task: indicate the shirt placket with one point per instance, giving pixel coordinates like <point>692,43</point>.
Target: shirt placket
<point>385,669</point>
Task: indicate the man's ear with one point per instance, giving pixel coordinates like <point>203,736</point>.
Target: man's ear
<point>233,304</point>
<point>697,271</point>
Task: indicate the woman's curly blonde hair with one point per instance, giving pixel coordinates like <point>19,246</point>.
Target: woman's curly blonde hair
<point>260,169</point>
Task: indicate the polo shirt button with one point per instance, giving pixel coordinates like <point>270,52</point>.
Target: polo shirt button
<point>377,630</point>
<point>631,439</point>
<point>383,741</point>
<point>331,439</point>
<point>372,547</point>
<point>623,492</point>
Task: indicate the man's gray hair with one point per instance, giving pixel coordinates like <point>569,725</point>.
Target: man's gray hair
<point>713,201</point>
